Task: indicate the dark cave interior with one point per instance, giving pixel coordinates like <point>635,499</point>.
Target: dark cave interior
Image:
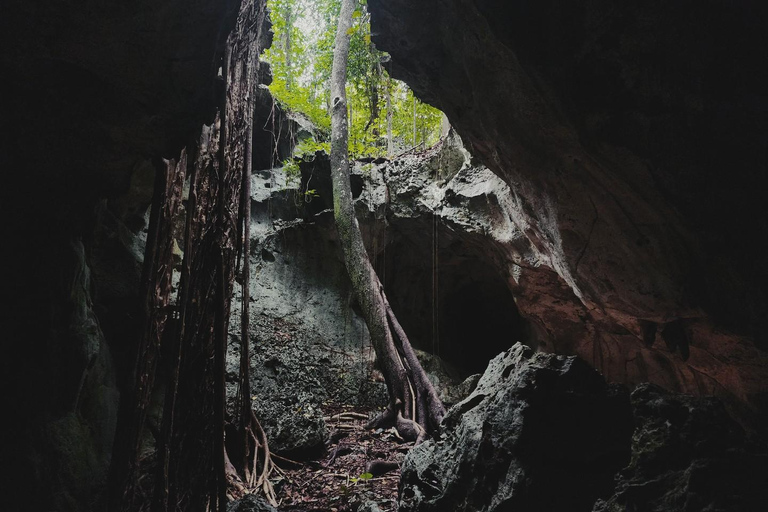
<point>480,320</point>
<point>474,310</point>
<point>632,138</point>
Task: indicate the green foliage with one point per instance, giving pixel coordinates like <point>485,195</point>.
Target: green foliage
<point>362,478</point>
<point>305,150</point>
<point>301,58</point>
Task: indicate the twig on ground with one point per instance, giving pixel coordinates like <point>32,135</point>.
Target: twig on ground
<point>347,416</point>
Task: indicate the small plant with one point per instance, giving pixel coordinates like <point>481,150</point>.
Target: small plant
<point>292,171</point>
<point>364,477</point>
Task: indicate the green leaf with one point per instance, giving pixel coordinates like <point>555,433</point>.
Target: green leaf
<point>301,80</point>
<point>366,476</point>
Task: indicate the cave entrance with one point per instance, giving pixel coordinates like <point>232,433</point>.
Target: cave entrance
<point>478,321</point>
<point>472,317</point>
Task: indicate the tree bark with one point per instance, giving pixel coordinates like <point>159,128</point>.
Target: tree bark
<point>390,142</point>
<point>156,295</point>
<point>414,407</point>
<point>245,359</point>
<point>162,495</point>
<point>288,27</point>
<point>414,119</point>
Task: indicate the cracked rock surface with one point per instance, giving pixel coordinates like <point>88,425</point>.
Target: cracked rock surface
<point>545,432</point>
<point>632,138</point>
<point>540,432</point>
<point>688,454</point>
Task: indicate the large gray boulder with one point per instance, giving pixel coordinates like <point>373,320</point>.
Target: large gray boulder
<point>250,503</point>
<point>614,164</point>
<point>688,455</point>
<point>540,432</point>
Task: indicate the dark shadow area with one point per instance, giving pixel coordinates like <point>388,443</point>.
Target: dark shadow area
<point>478,321</point>
<point>272,129</point>
<point>475,313</point>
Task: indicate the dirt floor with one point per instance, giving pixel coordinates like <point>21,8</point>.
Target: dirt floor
<point>360,465</point>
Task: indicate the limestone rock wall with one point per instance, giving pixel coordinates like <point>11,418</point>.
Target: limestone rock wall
<point>633,141</point>
<point>95,96</point>
<point>466,281</point>
<point>545,432</point>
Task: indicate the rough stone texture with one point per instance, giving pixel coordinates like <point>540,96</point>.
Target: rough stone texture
<point>688,455</point>
<point>95,93</point>
<point>369,506</point>
<point>633,139</point>
<point>445,378</point>
<point>80,411</point>
<point>250,503</point>
<point>540,432</point>
<point>309,347</point>
<point>310,344</point>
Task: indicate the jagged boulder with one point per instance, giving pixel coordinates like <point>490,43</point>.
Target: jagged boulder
<point>540,432</point>
<point>250,503</point>
<point>445,378</point>
<point>614,163</point>
<point>369,506</point>
<point>688,455</point>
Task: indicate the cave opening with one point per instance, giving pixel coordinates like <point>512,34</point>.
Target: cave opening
<point>478,321</point>
<point>634,136</point>
<point>462,310</point>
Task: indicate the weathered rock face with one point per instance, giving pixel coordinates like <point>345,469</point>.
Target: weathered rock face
<point>96,95</point>
<point>544,432</point>
<point>250,503</point>
<point>311,342</point>
<point>80,410</point>
<point>633,141</point>
<point>540,432</point>
<point>309,347</point>
<point>688,454</point>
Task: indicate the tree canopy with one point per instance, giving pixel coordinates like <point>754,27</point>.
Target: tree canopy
<point>301,58</point>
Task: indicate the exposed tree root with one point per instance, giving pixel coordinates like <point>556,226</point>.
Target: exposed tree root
<point>258,468</point>
<point>381,467</point>
<point>346,416</point>
<point>408,429</point>
<point>415,408</point>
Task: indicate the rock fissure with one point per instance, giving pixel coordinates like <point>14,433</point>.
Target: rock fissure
<point>589,237</point>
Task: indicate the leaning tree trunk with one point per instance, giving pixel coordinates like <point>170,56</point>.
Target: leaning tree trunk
<point>413,403</point>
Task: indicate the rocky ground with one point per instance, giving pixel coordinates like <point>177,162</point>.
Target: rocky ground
<point>545,432</point>
<point>535,430</point>
<point>361,468</point>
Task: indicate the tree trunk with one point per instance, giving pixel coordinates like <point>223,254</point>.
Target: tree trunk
<point>373,96</point>
<point>288,27</point>
<point>390,142</point>
<point>156,296</point>
<point>414,120</point>
<point>413,403</point>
